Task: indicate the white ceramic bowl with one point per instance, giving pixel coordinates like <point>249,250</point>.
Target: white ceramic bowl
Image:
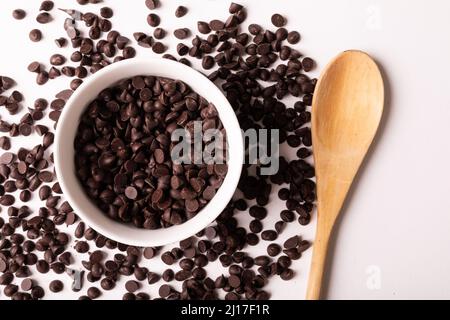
<point>64,152</point>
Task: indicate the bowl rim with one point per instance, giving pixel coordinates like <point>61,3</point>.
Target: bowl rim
<point>64,166</point>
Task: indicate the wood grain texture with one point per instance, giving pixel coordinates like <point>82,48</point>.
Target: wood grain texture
<point>347,109</point>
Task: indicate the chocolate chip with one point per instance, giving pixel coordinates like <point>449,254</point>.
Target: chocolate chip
<point>5,143</point>
<point>208,62</point>
<point>132,286</point>
<point>153,20</point>
<point>82,247</point>
<point>131,193</point>
<point>293,37</point>
<point>149,253</point>
<point>168,275</point>
<point>181,33</point>
<point>252,239</point>
<point>7,158</point>
<point>46,5</point>
<point>19,14</point>
<point>234,281</point>
<point>279,226</point>
<point>7,200</point>
<point>180,11</point>
<point>45,176</point>
<point>44,17</point>
<point>159,33</point>
<point>129,52</point>
<point>65,258</point>
<point>6,278</point>
<point>122,42</point>
<point>216,25</point>
<point>153,278</point>
<point>234,8</point>
<point>93,293</point>
<point>278,20</point>
<point>287,274</point>
<point>35,35</point>
<point>291,243</point>
<point>25,196</point>
<point>106,12</point>
<point>256,226</point>
<point>203,27</point>
<point>27,284</point>
<point>3,265</point>
<point>57,59</point>
<point>42,78</point>
<point>56,286</point>
<point>258,212</point>
<point>34,67</point>
<point>182,49</point>
<point>168,258</point>
<point>152,4</point>
<point>273,249</point>
<point>308,64</point>
<point>254,29</point>
<point>42,266</point>
<point>269,235</point>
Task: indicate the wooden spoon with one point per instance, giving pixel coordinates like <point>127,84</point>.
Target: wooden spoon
<point>346,112</point>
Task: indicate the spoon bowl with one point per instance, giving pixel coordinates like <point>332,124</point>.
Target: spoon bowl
<point>347,109</point>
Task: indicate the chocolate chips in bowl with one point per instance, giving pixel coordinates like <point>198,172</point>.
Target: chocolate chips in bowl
<point>123,152</point>
<point>142,162</point>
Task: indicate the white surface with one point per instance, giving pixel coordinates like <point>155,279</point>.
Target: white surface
<point>395,229</point>
<point>65,153</point>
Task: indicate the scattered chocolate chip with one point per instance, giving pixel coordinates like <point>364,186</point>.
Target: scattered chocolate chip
<point>292,243</point>
<point>46,5</point>
<point>19,14</point>
<point>203,27</point>
<point>106,12</point>
<point>56,286</point>
<point>149,253</point>
<point>308,64</point>
<point>208,62</point>
<point>82,247</point>
<point>34,67</point>
<point>269,235</point>
<point>132,286</point>
<point>7,158</point>
<point>93,293</point>
<point>107,284</point>
<point>152,4</point>
<point>180,11</point>
<point>57,59</point>
<point>44,17</point>
<point>153,278</point>
<point>5,143</point>
<point>181,33</point>
<point>35,35</point>
<point>159,33</point>
<point>293,37</point>
<point>60,42</point>
<point>153,20</point>
<point>27,284</point>
<point>278,20</point>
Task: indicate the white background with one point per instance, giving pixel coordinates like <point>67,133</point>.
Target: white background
<point>393,239</point>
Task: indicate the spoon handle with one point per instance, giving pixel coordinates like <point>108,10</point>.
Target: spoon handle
<point>332,192</point>
<point>318,263</point>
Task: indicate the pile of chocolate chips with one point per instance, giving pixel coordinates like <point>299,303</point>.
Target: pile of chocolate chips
<point>256,69</point>
<point>123,152</point>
